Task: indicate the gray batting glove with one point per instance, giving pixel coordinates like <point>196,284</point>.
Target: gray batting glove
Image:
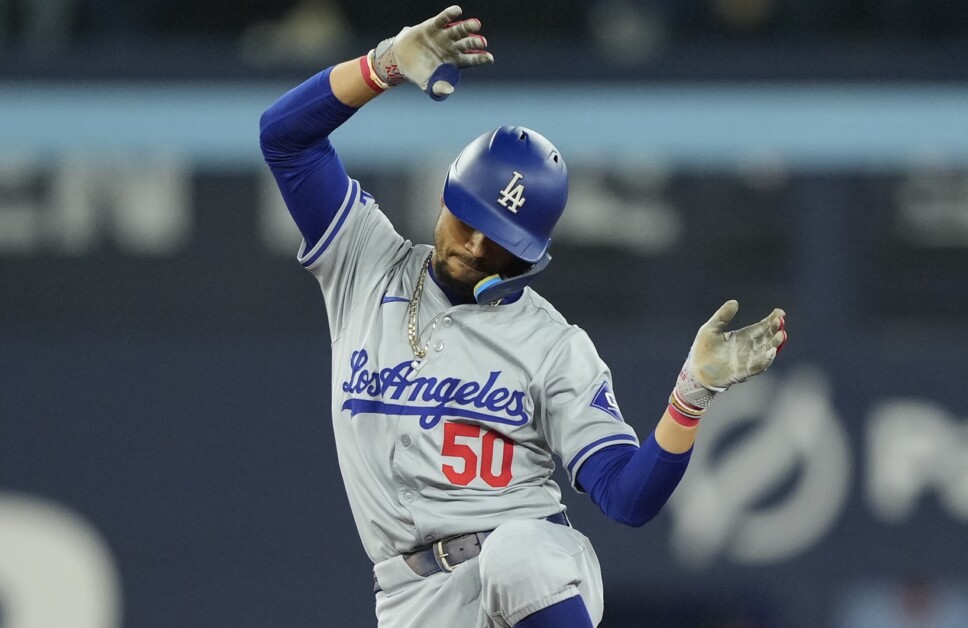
<point>431,54</point>
<point>719,358</point>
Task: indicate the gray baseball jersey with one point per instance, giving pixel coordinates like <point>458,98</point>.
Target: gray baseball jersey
<point>462,440</point>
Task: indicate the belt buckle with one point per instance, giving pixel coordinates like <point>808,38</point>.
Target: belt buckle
<point>441,556</point>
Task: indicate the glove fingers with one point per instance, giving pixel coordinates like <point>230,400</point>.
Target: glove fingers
<point>723,315</point>
<point>766,328</point>
<point>463,28</point>
<point>467,44</point>
<point>761,360</point>
<point>779,340</point>
<point>447,16</point>
<point>777,324</point>
<point>474,58</point>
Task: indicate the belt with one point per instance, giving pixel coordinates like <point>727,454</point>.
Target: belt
<point>445,554</point>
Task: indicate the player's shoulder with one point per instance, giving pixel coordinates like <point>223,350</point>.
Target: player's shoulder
<point>547,315</point>
<point>533,304</point>
<point>547,332</point>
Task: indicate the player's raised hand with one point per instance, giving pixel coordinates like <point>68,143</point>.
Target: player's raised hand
<point>720,358</point>
<point>431,54</point>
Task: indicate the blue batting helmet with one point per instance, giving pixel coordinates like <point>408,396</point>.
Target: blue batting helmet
<point>510,184</point>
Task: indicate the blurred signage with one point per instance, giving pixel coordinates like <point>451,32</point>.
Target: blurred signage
<point>933,208</point>
<point>141,206</point>
<point>774,470</point>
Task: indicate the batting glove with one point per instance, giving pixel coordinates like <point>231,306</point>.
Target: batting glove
<point>719,358</point>
<point>431,54</point>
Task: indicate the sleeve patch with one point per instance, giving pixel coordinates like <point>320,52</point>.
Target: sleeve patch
<point>605,401</point>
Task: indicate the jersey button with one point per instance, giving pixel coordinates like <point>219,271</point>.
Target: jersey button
<point>408,496</point>
<point>448,321</point>
<point>428,538</point>
<point>438,346</point>
<point>405,440</point>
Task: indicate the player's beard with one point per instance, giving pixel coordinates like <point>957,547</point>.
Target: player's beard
<point>463,289</point>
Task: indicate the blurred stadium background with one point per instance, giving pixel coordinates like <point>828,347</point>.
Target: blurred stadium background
<point>165,450</point>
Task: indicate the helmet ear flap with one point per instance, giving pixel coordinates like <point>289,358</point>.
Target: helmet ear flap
<point>495,287</point>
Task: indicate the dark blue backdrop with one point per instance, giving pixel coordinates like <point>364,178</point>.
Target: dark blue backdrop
<point>180,404</point>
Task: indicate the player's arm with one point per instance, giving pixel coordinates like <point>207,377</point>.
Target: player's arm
<point>631,484</point>
<point>294,138</point>
<point>294,131</point>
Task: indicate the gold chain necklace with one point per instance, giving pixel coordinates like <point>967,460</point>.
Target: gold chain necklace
<point>413,310</point>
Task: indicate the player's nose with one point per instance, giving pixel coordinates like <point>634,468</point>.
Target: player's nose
<point>477,244</point>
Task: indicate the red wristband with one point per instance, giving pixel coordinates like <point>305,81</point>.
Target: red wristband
<point>681,418</point>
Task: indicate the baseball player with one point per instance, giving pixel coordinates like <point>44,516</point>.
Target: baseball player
<point>455,383</point>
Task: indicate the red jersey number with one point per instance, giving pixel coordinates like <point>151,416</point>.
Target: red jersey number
<point>474,465</point>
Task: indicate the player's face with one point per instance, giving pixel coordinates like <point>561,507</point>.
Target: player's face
<point>463,256</point>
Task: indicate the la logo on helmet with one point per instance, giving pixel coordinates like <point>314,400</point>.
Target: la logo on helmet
<point>512,196</point>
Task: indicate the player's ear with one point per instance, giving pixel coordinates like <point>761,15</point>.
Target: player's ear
<point>443,210</point>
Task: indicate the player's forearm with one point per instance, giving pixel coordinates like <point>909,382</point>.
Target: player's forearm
<point>301,120</point>
<point>350,86</point>
<point>672,436</point>
<point>631,484</point>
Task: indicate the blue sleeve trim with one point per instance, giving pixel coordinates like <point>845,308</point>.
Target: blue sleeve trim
<point>632,484</point>
<point>614,438</point>
<point>352,197</point>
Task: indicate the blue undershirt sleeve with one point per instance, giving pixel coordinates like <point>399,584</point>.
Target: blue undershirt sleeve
<point>294,137</point>
<point>631,484</point>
